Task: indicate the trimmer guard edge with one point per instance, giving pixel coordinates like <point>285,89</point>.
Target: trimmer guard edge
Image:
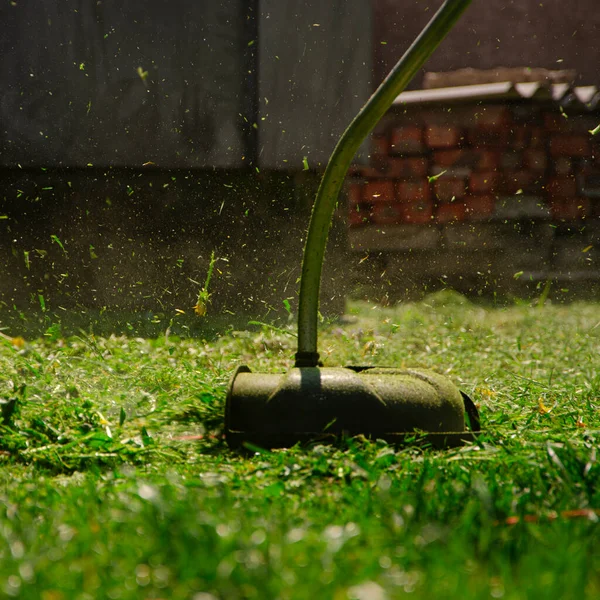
<point>324,403</point>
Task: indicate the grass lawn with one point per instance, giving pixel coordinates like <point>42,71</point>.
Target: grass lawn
<point>116,482</point>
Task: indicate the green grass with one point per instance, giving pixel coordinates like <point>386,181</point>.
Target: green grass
<point>116,482</point>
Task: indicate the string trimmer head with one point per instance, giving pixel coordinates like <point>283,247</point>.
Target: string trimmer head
<point>310,402</point>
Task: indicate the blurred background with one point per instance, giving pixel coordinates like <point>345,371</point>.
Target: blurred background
<point>137,139</point>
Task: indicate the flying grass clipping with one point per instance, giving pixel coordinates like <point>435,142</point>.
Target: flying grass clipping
<point>201,306</point>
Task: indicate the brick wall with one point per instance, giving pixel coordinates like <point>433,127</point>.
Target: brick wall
<point>479,171</point>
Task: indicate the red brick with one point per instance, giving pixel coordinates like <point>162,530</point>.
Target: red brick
<point>479,208</point>
<point>359,214</point>
<point>570,145</point>
<point>375,168</point>
<point>535,159</point>
<point>451,158</point>
<point>562,165</point>
<point>573,123</point>
<point>561,187</point>
<point>369,172</point>
<point>488,160</point>
<point>493,115</point>
<point>413,191</point>
<point>521,181</point>
<point>405,168</point>
<point>526,136</point>
<point>511,160</point>
<point>442,136</point>
<point>519,136</point>
<point>570,209</point>
<point>393,167</point>
<point>537,138</point>
<point>386,213</point>
<point>406,140</point>
<point>355,171</point>
<point>588,167</point>
<point>447,188</point>
<point>483,182</point>
<point>555,121</point>
<point>379,191</point>
<point>417,212</point>
<point>355,193</point>
<point>483,160</point>
<point>453,211</point>
<point>488,136</point>
<point>379,166</point>
<point>526,112</point>
<point>380,145</point>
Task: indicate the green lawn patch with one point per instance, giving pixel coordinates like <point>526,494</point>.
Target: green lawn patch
<point>116,482</point>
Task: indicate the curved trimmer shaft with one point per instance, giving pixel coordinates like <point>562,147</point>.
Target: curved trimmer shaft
<point>313,403</point>
<point>339,163</point>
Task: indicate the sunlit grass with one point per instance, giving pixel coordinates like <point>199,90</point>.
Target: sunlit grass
<point>117,483</point>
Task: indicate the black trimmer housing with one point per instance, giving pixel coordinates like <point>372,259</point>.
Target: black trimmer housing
<point>321,403</point>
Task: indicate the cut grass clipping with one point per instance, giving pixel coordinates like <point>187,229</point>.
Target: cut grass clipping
<point>117,484</point>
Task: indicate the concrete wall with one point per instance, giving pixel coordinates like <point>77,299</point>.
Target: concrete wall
<point>138,137</point>
<point>225,84</point>
<point>123,84</point>
<point>315,75</point>
<point>141,241</point>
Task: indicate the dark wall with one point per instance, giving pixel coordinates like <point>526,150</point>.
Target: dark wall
<point>122,84</point>
<point>141,240</point>
<point>180,84</point>
<point>138,137</point>
<point>315,74</point>
<point>553,34</point>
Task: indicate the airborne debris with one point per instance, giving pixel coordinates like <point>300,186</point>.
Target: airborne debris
<point>17,342</point>
<point>143,75</point>
<point>56,240</point>
<point>433,178</point>
<point>200,307</point>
